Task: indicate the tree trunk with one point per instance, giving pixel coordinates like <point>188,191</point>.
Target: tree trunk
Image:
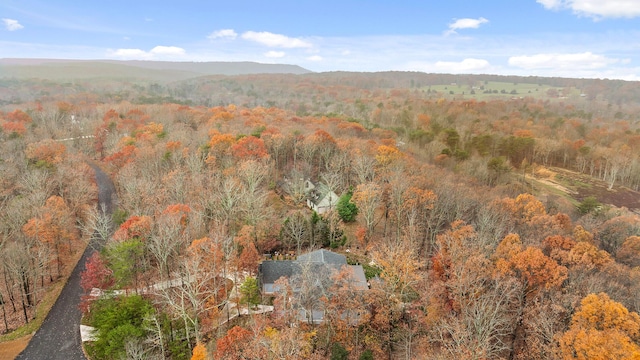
<point>24,310</point>
<point>518,327</point>
<point>4,315</point>
<point>9,292</point>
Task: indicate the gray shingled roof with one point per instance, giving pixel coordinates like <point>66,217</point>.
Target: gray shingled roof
<point>323,256</point>
<point>319,192</point>
<point>273,270</point>
<point>360,280</point>
<point>322,262</point>
<point>321,265</point>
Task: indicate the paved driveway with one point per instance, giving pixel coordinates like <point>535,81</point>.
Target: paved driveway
<point>59,335</point>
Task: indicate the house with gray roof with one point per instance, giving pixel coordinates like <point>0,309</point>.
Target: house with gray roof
<point>310,274</point>
<point>320,198</point>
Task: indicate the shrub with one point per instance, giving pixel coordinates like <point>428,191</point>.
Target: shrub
<point>589,204</point>
<point>338,352</point>
<point>366,355</point>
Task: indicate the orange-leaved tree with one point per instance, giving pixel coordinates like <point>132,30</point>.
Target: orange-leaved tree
<point>134,227</point>
<point>250,147</point>
<point>629,252</point>
<point>601,329</point>
<point>232,345</point>
<point>54,227</point>
<point>530,265</point>
<point>199,352</point>
<point>46,152</point>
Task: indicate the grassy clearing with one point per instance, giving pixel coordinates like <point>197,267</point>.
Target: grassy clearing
<point>552,189</point>
<point>503,90</point>
<point>571,183</point>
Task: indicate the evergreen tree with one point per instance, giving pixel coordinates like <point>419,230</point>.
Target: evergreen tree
<point>347,209</point>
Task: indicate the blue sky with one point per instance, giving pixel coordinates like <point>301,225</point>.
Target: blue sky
<point>570,38</point>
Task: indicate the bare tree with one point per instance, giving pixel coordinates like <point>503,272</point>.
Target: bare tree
<point>367,197</point>
<point>398,187</point>
<point>295,186</point>
<point>229,196</point>
<point>36,184</point>
<point>483,327</point>
<point>252,174</point>
<point>165,242</point>
<point>364,167</point>
<point>135,350</point>
<point>188,300</point>
<point>333,179</point>
<point>296,230</point>
<point>155,336</point>
<point>17,264</point>
<point>199,282</point>
<point>311,284</point>
<point>98,224</point>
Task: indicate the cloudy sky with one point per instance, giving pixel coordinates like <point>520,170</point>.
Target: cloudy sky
<point>572,38</point>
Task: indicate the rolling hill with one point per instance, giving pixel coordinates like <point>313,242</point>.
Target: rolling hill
<point>58,69</point>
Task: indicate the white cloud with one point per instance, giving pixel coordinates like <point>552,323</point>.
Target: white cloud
<point>12,25</point>
<point>131,54</point>
<point>315,58</point>
<point>464,66</point>
<point>274,54</point>
<point>466,24</point>
<point>574,61</point>
<point>596,9</point>
<point>167,50</point>
<point>223,34</point>
<point>275,40</point>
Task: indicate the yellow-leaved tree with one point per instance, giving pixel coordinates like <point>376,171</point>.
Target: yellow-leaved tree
<point>601,329</point>
<point>199,352</point>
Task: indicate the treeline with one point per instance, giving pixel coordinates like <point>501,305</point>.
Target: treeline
<point>282,89</point>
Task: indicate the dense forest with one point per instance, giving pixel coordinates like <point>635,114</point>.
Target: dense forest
<point>494,217</point>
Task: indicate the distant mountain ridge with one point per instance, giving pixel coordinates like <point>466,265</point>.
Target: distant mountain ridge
<point>60,69</point>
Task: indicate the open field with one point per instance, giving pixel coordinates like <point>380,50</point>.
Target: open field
<point>577,187</point>
<point>501,90</point>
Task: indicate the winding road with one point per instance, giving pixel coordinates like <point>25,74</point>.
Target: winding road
<point>59,335</point>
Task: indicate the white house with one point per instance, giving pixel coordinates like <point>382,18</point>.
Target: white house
<point>320,198</point>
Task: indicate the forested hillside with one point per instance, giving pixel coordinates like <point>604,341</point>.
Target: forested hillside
<point>494,217</point>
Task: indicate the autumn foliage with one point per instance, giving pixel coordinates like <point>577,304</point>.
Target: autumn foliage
<point>96,274</point>
<point>530,265</point>
<point>48,152</point>
<point>134,227</point>
<point>601,329</point>
<point>199,352</point>
<point>466,226</point>
<point>233,344</point>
